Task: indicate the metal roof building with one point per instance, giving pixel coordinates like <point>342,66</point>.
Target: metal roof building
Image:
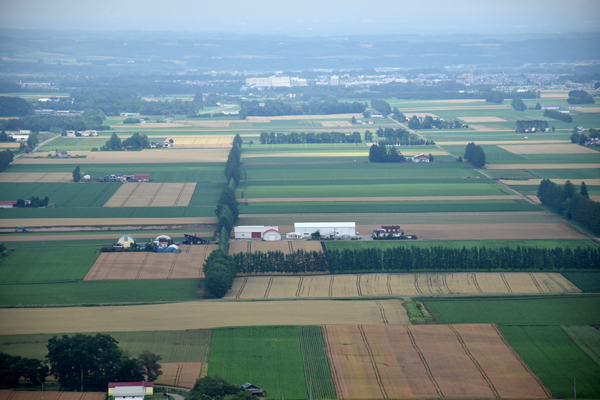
<point>325,228</point>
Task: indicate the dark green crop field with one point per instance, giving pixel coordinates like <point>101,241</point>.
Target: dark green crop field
<point>459,244</point>
<point>61,194</point>
<point>588,282</point>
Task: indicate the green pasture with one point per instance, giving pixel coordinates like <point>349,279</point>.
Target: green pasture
<point>573,174</point>
<point>587,338</point>
<point>172,346</point>
<point>109,212</point>
<point>97,243</point>
<point>556,360</point>
<point>73,143</point>
<point>168,172</point>
<point>375,204</point>
<point>61,194</point>
<point>100,292</point>
<point>459,244</point>
<point>269,357</point>
<point>47,264</point>
<point>538,310</point>
<point>588,282</point>
<point>324,161</point>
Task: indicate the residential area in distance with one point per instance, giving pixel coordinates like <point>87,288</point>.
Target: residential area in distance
<point>369,216</point>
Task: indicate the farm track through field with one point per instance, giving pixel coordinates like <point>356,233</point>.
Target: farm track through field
<point>535,282</point>
<point>435,383</point>
<point>373,363</point>
<point>481,370</point>
<point>180,193</point>
<point>155,194</point>
<point>237,296</point>
<point>130,194</point>
<point>358,290</point>
<point>331,286</point>
<point>389,286</point>
<point>172,266</point>
<point>142,266</point>
<point>557,283</point>
<point>113,264</point>
<point>97,199</point>
<point>334,374</point>
<point>268,288</point>
<point>299,289</point>
<point>476,283</point>
<point>417,284</point>
<point>382,310</point>
<point>506,283</point>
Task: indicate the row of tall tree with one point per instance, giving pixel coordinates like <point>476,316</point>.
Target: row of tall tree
<point>298,262</point>
<point>400,137</point>
<point>312,107</point>
<point>571,203</point>
<point>135,142</point>
<point>518,104</point>
<point>382,106</point>
<point>475,155</point>
<point>380,153</point>
<point>6,157</point>
<point>555,114</point>
<point>58,124</point>
<point>309,137</point>
<point>430,123</point>
<point>233,172</point>
<point>526,126</point>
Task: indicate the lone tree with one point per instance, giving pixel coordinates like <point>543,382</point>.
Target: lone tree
<point>150,365</point>
<point>76,174</point>
<point>475,155</point>
<point>584,190</point>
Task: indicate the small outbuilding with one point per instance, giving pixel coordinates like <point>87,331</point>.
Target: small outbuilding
<point>126,241</point>
<point>255,391</point>
<point>192,239</point>
<point>271,235</point>
<point>254,232</point>
<point>147,387</point>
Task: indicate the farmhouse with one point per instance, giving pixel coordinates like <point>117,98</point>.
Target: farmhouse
<point>386,230</point>
<point>255,391</point>
<point>269,233</point>
<point>144,388</point>
<point>70,133</point>
<point>20,138</point>
<point>420,158</point>
<point>305,229</point>
<point>63,154</point>
<point>126,241</point>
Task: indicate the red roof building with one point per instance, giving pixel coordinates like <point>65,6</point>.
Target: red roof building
<point>8,204</point>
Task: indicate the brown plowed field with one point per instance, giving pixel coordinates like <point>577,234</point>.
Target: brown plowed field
<point>591,110</point>
<point>502,142</point>
<point>482,119</point>
<point>134,157</point>
<point>549,149</point>
<point>199,315</point>
<point>36,177</point>
<point>285,247</point>
<point>402,362</point>
<point>121,266</point>
<point>541,166</point>
<point>146,194</point>
<point>45,222</point>
<point>51,395</point>
<point>377,285</point>
<point>180,374</point>
<point>405,198</point>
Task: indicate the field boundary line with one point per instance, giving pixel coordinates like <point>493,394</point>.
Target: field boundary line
<point>93,277</point>
<point>332,369</point>
<point>373,363</point>
<point>331,285</point>
<point>358,290</point>
<point>382,310</point>
<point>155,194</point>
<point>97,199</point>
<point>12,393</point>
<point>479,367</point>
<point>112,265</point>
<point>177,375</point>
<point>522,362</point>
<point>506,283</point>
<point>435,383</point>
<point>535,282</point>
<point>417,284</point>
<point>71,199</point>
<point>389,284</point>
<point>38,179</point>
<point>560,285</point>
<point>268,288</point>
<point>172,266</point>
<point>180,194</point>
<point>476,283</point>
<point>291,248</point>
<point>239,293</point>
<point>137,276</point>
<point>299,288</point>
<point>130,194</point>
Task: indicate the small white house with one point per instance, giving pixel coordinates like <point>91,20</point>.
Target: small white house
<point>305,229</point>
<point>420,158</point>
<point>256,232</point>
<point>70,133</point>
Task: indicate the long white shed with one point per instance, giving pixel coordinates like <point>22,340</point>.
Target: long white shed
<point>325,228</point>
<point>256,232</point>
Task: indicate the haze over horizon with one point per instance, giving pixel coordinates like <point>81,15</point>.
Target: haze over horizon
<point>309,18</point>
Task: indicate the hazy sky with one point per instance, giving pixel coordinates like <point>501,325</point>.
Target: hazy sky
<point>307,17</point>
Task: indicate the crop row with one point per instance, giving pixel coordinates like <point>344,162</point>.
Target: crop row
<point>316,364</point>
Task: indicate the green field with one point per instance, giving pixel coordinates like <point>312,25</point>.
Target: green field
<point>268,357</point>
<point>555,359</point>
<point>539,310</point>
<point>97,243</point>
<point>588,282</point>
<point>587,338</point>
<point>73,143</point>
<point>316,364</point>
<point>61,194</point>
<point>47,264</point>
<point>109,212</point>
<point>99,292</point>
<point>459,244</point>
<point>172,346</point>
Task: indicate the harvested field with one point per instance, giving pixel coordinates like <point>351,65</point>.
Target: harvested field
<point>286,247</point>
<point>541,166</point>
<point>95,222</point>
<point>549,149</point>
<point>134,157</point>
<point>145,194</point>
<point>377,285</point>
<point>307,154</point>
<point>198,142</point>
<point>488,128</point>
<point>50,395</point>
<point>104,236</point>
<point>146,265</point>
<point>590,110</point>
<point>206,124</point>
<point>334,124</point>
<point>482,119</point>
<point>293,117</point>
<point>420,114</point>
<point>199,315</point>
<point>534,198</point>
<point>36,177</point>
<point>531,182</point>
<point>181,374</point>
<point>371,199</point>
<point>452,361</point>
<point>481,142</point>
<point>9,145</point>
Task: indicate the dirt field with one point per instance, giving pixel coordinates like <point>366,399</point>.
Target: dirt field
<point>133,157</point>
<point>199,315</point>
<point>452,361</point>
<point>51,395</point>
<point>480,142</point>
<point>198,142</point>
<point>335,124</point>
<point>181,374</point>
<point>146,194</point>
<point>371,199</point>
<point>542,166</point>
<point>537,181</point>
<point>376,285</point>
<point>489,128</point>
<point>293,117</point>
<point>283,246</point>
<point>306,154</point>
<point>482,119</point>
<point>95,222</point>
<point>145,265</point>
<point>36,177</point>
<point>590,110</point>
<point>9,145</point>
<point>104,236</point>
<point>549,149</point>
<point>534,198</point>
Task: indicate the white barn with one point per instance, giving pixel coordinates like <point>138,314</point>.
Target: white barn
<point>257,232</point>
<point>305,229</point>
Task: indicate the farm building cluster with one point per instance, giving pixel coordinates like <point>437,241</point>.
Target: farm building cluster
<point>302,230</point>
<point>161,244</point>
<point>126,178</point>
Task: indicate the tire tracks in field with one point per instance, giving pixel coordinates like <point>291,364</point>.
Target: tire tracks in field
<point>269,285</point>
<point>382,311</point>
<point>290,247</point>
<point>97,199</point>
<point>474,360</point>
<point>560,285</point>
<point>137,276</point>
<point>445,283</point>
<point>172,266</point>
<point>506,283</point>
<point>239,293</point>
<point>373,363</point>
<point>522,362</point>
<point>112,265</point>
<point>130,194</point>
<point>331,285</point>
<point>389,284</point>
<point>333,370</point>
<point>100,266</point>
<point>155,194</point>
<point>476,283</point>
<point>535,282</point>
<point>176,204</point>
<point>299,288</point>
<point>435,383</point>
<point>358,289</point>
<point>417,288</point>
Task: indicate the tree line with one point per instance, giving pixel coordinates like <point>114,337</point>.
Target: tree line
<point>573,204</point>
<point>431,123</point>
<point>6,157</point>
<point>555,114</point>
<point>310,137</point>
<point>382,106</point>
<point>58,124</point>
<point>134,142</point>
<point>277,262</point>
<point>525,126</point>
<point>580,97</point>
<point>313,107</point>
<point>400,137</point>
<point>380,153</point>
